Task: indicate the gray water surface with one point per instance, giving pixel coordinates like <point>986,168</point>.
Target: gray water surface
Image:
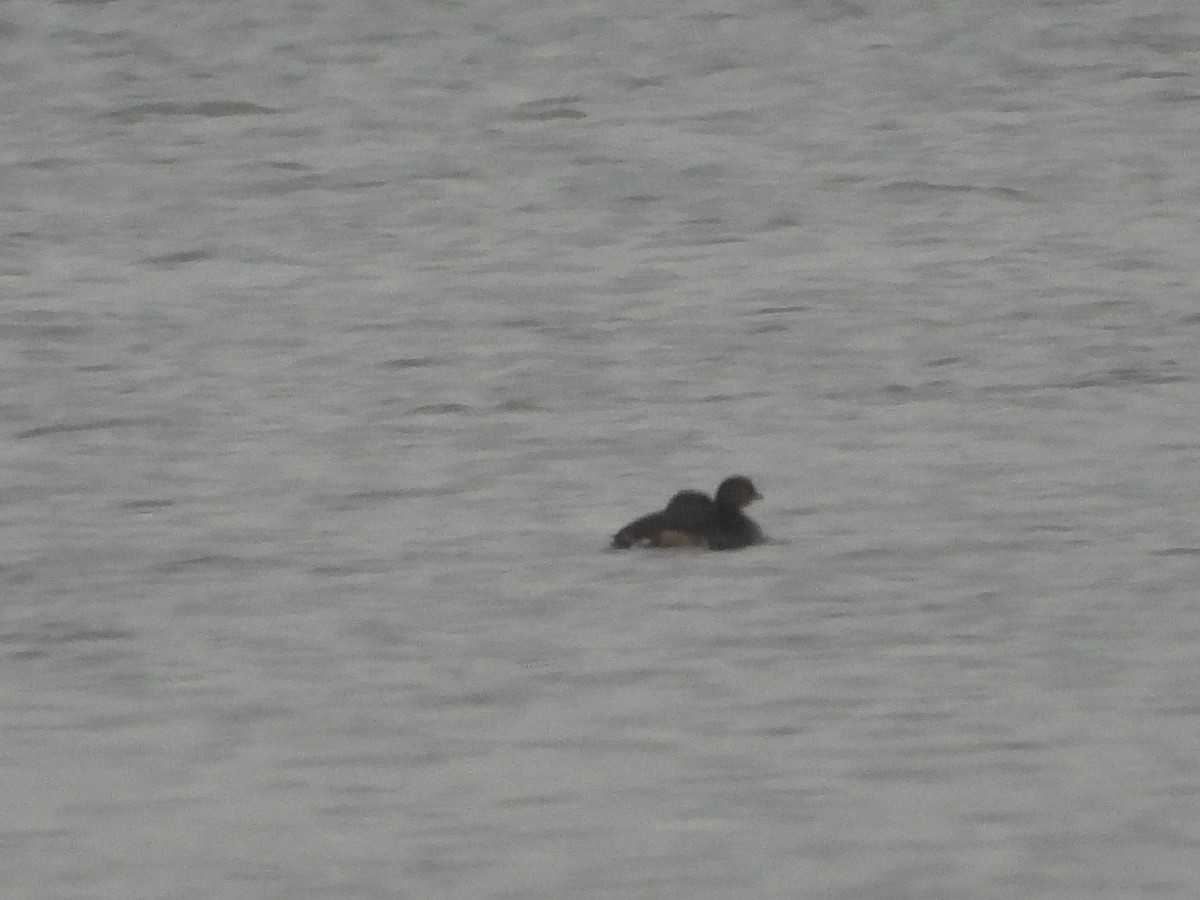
<point>336,339</point>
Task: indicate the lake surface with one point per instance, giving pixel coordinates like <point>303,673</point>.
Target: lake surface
<point>336,340</point>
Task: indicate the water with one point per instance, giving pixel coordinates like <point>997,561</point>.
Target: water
<point>337,339</point>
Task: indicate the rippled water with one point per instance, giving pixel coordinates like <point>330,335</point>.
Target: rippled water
<point>337,339</point>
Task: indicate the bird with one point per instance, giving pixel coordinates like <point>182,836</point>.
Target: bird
<point>693,519</point>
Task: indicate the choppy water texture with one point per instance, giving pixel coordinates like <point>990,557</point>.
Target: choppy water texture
<point>336,339</point>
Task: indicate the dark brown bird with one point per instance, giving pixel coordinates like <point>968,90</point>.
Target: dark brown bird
<point>693,519</point>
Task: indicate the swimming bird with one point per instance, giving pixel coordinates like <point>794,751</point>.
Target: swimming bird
<point>693,519</point>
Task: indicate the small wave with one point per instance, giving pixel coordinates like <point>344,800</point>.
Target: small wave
<point>213,109</point>
<point>412,362</point>
<point>440,409</point>
<point>225,561</point>
<point>932,187</point>
<point>549,108</point>
<point>178,258</point>
<point>70,427</point>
